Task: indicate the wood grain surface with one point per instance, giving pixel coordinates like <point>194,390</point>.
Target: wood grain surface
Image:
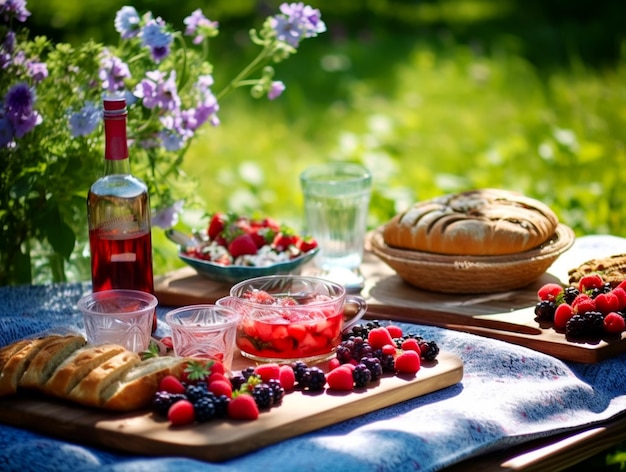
<point>508,316</point>
<point>299,413</point>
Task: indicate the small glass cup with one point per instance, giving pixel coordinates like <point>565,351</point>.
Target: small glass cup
<point>204,331</point>
<point>285,318</point>
<point>336,203</point>
<point>119,316</point>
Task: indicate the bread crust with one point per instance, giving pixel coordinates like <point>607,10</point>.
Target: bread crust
<point>484,222</point>
<point>76,367</point>
<point>44,363</point>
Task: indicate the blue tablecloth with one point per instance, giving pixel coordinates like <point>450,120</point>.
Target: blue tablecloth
<point>508,395</point>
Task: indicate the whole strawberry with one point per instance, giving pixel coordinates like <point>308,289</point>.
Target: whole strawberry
<point>242,245</point>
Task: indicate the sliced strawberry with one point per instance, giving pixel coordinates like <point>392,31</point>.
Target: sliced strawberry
<point>242,245</point>
<point>306,244</point>
<point>216,224</point>
<point>243,407</point>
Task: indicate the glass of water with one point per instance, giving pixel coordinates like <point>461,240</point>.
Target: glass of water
<point>336,203</point>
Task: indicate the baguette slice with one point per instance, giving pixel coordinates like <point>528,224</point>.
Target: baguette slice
<point>44,363</point>
<point>7,352</point>
<point>89,390</point>
<point>17,364</point>
<point>76,367</point>
<point>137,388</point>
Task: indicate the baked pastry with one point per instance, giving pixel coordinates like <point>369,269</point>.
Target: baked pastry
<point>612,269</point>
<point>484,222</point>
<point>105,376</point>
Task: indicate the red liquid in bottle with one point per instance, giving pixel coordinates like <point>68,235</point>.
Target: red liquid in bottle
<point>121,263</point>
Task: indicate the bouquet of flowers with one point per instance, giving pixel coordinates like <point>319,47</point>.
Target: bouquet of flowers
<point>51,139</point>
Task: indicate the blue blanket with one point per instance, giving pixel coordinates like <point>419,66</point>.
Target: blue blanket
<point>509,395</point>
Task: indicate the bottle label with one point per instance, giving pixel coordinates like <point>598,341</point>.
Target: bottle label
<point>124,226</point>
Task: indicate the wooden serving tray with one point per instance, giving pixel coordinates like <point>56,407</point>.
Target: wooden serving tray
<point>299,413</point>
<point>508,316</point>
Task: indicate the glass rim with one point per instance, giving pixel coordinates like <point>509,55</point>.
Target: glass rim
<point>88,301</point>
<point>231,318</point>
<point>354,171</point>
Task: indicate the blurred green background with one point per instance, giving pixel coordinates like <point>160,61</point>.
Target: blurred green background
<point>435,96</point>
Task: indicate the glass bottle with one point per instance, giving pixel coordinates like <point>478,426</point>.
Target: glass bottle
<point>118,211</point>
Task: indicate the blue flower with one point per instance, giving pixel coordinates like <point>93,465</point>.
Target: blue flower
<point>127,22</point>
<point>167,217</point>
<point>84,121</point>
<point>296,22</point>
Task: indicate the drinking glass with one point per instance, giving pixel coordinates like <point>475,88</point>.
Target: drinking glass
<point>336,203</point>
<point>119,316</point>
<point>204,331</point>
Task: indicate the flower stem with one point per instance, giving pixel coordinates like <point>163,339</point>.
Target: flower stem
<point>237,81</point>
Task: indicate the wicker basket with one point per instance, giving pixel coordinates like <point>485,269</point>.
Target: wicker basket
<point>472,274</point>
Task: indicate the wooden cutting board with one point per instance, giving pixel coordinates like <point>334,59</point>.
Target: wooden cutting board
<point>219,440</point>
<point>508,316</point>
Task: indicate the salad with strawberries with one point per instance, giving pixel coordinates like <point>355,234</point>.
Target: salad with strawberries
<point>236,240</point>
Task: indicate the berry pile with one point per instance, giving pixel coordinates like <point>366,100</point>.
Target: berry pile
<point>365,355</point>
<point>590,310</point>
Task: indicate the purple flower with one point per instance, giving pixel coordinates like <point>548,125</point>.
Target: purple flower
<point>6,49</point>
<point>157,92</point>
<point>19,101</point>
<point>167,217</point>
<point>25,123</point>
<point>297,21</point>
<point>155,36</point>
<point>127,22</point>
<point>6,132</point>
<point>14,9</point>
<point>37,70</point>
<point>277,87</point>
<point>113,71</point>
<point>84,121</point>
<point>200,26</point>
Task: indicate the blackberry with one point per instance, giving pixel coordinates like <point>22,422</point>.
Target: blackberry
<point>163,400</point>
<point>299,368</point>
<point>429,350</point>
<point>595,323</point>
<point>576,327</point>
<point>237,380</point>
<point>221,406</point>
<point>374,365</point>
<point>247,372</point>
<point>362,349</point>
<point>263,396</point>
<point>343,353</point>
<point>361,330</point>
<point>196,392</point>
<point>361,375</point>
<point>204,408</point>
<point>545,310</point>
<point>387,362</point>
<point>569,294</point>
<point>313,379</point>
<point>277,389</point>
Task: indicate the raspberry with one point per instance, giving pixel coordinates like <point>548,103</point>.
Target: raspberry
<point>287,377</point>
<point>562,315</point>
<point>585,305</point>
<point>607,302</point>
<point>333,363</point>
<point>395,331</point>
<point>378,337</point>
<point>268,371</point>
<point>181,413</point>
<point>411,344</point>
<point>614,323</point>
<point>408,363</point>
<point>171,384</point>
<point>340,379</point>
<point>589,282</point>
<point>389,349</point>
<point>221,387</point>
<point>549,291</point>
<point>620,293</point>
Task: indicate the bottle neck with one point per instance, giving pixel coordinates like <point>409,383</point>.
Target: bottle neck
<point>116,145</point>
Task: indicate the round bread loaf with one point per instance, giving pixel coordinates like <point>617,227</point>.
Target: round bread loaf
<point>485,222</point>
